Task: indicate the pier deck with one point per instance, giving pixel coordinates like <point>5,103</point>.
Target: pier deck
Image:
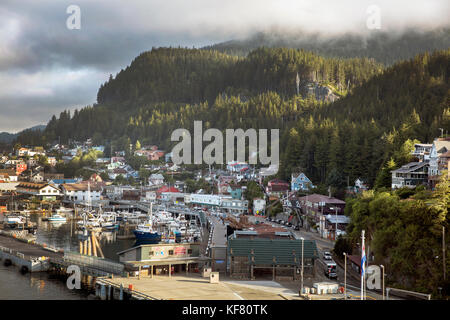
<point>194,287</point>
<point>28,249</point>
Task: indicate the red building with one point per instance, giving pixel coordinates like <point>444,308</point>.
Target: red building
<point>21,167</point>
<point>276,187</point>
<point>165,189</point>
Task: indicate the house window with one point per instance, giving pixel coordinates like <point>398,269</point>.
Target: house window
<point>170,252</point>
<point>150,253</point>
<point>189,251</point>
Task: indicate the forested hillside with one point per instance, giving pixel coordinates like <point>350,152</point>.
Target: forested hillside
<point>380,113</point>
<point>383,46</point>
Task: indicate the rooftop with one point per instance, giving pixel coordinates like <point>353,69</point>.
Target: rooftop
<point>316,198</point>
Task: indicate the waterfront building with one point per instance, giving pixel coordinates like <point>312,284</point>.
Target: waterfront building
<point>80,192</point>
<point>44,191</point>
<point>254,257</point>
<point>159,258</point>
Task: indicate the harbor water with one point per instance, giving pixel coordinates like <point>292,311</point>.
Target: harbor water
<point>43,286</point>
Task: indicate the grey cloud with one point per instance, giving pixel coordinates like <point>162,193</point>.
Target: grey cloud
<point>34,39</point>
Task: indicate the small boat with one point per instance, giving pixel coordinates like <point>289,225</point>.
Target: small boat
<point>12,221</point>
<point>57,218</point>
<point>110,226</point>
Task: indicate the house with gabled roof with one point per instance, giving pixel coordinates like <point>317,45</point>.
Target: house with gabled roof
<point>410,175</point>
<point>300,182</point>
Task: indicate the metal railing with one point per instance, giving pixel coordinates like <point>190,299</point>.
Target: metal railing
<point>94,262</point>
<point>133,293</point>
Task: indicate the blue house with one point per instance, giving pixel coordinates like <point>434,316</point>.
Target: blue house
<point>300,182</point>
<point>235,191</point>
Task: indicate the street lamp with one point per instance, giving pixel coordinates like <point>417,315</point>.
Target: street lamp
<point>303,239</point>
<point>382,267</point>
<point>345,276</point>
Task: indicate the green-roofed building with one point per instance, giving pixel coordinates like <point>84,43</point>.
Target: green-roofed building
<point>280,259</point>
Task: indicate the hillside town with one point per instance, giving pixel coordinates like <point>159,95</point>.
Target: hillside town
<point>234,211</point>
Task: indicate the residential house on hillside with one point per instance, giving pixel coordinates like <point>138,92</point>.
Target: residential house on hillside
<point>150,154</point>
<point>99,148</point>
<point>234,206</point>
<point>422,151</point>
<point>439,158</point>
<point>236,166</point>
<point>9,175</point>
<point>103,160</point>
<point>235,191</point>
<point>36,151</point>
<point>117,172</point>
<point>21,167</point>
<point>259,206</point>
<point>51,161</point>
<point>277,187</point>
<point>300,182</point>
<point>439,149</point>
<point>179,185</point>
<point>359,187</point>
<point>118,159</point>
<point>156,179</point>
<point>37,177</point>
<point>410,175</point>
<point>32,162</point>
<point>21,152</point>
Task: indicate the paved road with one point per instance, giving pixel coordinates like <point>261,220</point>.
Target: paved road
<point>219,238</point>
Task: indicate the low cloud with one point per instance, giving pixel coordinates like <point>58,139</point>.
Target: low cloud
<point>45,67</point>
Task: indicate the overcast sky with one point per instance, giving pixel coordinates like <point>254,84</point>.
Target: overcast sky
<point>46,68</point>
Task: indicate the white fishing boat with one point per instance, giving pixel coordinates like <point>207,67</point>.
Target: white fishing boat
<point>14,220</point>
<point>57,218</point>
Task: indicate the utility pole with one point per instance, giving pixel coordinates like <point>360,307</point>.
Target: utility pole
<point>345,276</point>
<point>443,250</point>
<point>335,233</point>
<point>302,261</point>
<point>382,267</point>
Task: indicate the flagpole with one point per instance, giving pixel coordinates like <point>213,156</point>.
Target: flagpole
<point>363,258</point>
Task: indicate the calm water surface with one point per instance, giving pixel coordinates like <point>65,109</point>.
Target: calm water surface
<point>14,285</point>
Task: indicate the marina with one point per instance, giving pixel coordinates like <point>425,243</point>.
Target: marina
<point>89,238</point>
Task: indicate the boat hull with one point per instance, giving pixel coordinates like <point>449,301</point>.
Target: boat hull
<point>147,237</point>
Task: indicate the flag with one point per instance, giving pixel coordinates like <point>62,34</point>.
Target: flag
<point>363,260</point>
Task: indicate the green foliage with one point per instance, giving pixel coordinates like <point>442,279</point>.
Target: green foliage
<point>404,234</point>
<point>342,245</point>
<point>253,191</point>
<point>364,135</point>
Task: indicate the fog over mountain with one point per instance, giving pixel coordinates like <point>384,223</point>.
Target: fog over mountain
<point>46,68</point>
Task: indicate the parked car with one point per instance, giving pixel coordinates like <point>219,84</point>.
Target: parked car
<point>296,228</point>
<point>327,256</point>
